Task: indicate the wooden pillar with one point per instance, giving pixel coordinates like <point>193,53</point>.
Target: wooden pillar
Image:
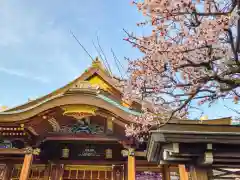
<point>166,172</point>
<point>198,173</point>
<point>131,165</point>
<point>182,171</point>
<point>26,166</point>
<point>8,171</point>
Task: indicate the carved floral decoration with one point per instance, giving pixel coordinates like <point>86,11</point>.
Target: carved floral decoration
<point>83,126</point>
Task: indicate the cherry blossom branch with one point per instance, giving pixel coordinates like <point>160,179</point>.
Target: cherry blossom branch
<point>192,55</point>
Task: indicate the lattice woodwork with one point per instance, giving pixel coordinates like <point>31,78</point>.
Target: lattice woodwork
<point>88,172</point>
<point>36,173</point>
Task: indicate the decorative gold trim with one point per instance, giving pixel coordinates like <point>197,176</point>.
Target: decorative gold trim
<point>84,85</point>
<point>110,124</point>
<point>88,168</point>
<point>30,150</point>
<point>79,111</point>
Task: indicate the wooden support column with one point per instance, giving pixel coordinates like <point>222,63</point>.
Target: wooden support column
<point>182,171</point>
<point>131,165</point>
<point>26,166</point>
<point>166,172</point>
<point>198,173</point>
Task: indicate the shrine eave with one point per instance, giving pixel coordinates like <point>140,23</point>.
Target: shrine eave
<point>74,138</point>
<point>205,145</point>
<point>76,98</point>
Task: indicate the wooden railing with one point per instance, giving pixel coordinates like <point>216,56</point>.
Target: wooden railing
<point>36,173</point>
<point>88,172</point>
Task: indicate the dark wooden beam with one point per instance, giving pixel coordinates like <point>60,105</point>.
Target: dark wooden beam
<point>13,151</point>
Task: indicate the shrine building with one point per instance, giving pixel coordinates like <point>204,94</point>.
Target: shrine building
<point>77,133</point>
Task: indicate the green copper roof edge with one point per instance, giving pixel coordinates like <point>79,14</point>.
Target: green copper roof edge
<point>105,98</point>
<point>32,107</point>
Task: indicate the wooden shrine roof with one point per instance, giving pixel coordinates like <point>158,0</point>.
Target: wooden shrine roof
<point>95,70</point>
<point>196,142</point>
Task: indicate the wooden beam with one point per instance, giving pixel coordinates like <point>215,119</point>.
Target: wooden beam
<point>59,137</point>
<point>26,167</point>
<point>136,153</point>
<point>183,173</point>
<point>12,151</point>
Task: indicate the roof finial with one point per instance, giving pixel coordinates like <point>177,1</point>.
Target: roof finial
<point>98,64</point>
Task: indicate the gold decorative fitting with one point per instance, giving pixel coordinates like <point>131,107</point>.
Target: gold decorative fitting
<point>205,117</point>
<point>3,108</point>
<point>110,124</point>
<point>36,151</point>
<point>30,150</point>
<point>85,85</point>
<point>79,111</point>
<point>131,152</point>
<point>108,153</point>
<point>65,152</point>
<point>21,125</point>
<point>98,64</point>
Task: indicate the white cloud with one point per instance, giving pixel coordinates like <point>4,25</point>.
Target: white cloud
<point>25,75</point>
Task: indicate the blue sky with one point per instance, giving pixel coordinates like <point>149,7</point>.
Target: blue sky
<point>39,55</point>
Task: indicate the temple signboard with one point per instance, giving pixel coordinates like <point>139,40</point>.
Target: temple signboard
<point>90,151</point>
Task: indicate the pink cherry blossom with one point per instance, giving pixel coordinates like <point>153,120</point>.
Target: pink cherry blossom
<point>191,57</point>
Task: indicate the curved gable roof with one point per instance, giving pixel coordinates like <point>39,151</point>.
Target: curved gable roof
<point>95,70</point>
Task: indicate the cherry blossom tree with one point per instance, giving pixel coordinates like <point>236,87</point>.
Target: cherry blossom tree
<point>191,57</point>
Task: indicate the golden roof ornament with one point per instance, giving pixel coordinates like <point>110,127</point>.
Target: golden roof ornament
<point>3,108</point>
<point>98,64</point>
<point>205,117</point>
